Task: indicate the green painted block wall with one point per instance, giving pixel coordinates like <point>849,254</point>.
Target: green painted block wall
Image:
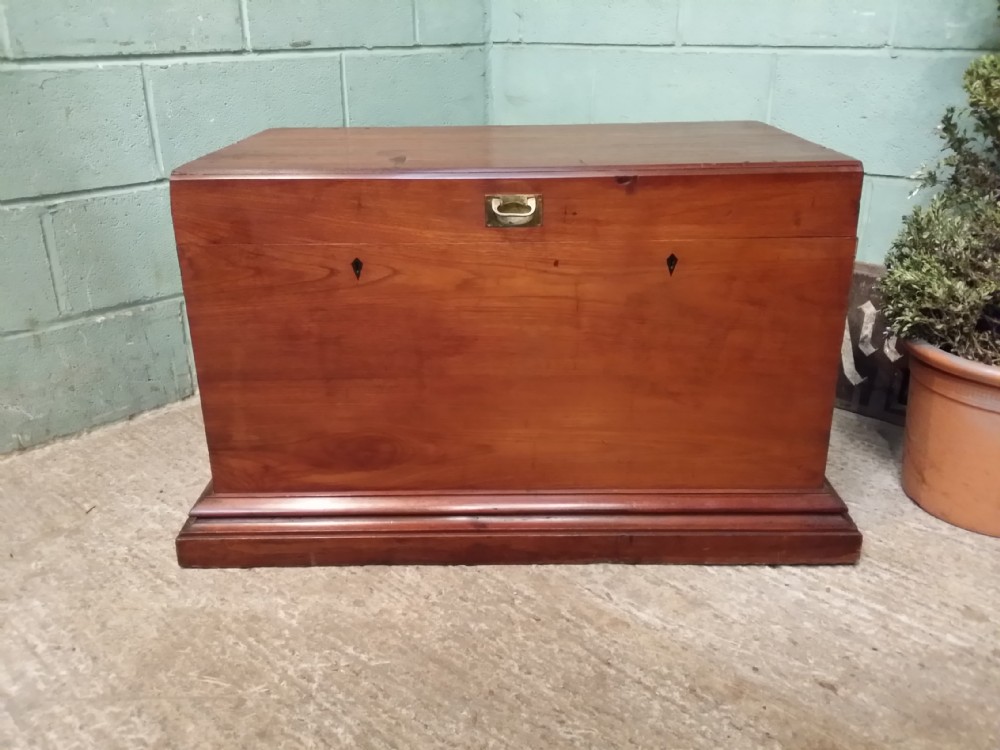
<point>100,99</point>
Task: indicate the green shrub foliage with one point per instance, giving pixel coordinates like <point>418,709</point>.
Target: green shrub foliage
<point>942,281</point>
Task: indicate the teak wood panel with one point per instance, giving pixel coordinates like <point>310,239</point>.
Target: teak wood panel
<point>627,210</point>
<point>524,150</point>
<point>517,365</point>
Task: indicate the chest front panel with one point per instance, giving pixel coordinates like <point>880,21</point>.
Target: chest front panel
<point>652,333</point>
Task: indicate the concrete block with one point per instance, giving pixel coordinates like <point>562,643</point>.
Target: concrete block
<point>451,21</point>
<point>27,296</point>
<point>416,88</point>
<point>520,96</point>
<point>585,21</point>
<point>69,28</point>
<point>77,375</point>
<point>880,109</point>
<point>652,85</point>
<point>621,85</point>
<point>964,24</point>
<point>887,200</point>
<point>201,107</point>
<point>72,130</point>
<point>278,24</point>
<point>116,249</point>
<point>802,23</point>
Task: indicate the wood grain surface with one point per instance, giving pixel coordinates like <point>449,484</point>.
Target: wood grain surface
<point>471,503</point>
<point>800,536</point>
<point>516,528</point>
<point>544,367</point>
<point>591,210</point>
<point>521,150</point>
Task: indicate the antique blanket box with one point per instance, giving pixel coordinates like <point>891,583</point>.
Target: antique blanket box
<point>518,344</point>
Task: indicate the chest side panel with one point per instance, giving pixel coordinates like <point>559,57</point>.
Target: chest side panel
<point>560,358</point>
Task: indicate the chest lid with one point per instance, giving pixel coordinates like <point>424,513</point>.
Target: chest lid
<point>516,151</point>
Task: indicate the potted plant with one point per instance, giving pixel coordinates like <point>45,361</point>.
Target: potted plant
<point>941,296</point>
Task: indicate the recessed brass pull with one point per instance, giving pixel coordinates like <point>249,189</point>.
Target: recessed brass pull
<point>513,210</point>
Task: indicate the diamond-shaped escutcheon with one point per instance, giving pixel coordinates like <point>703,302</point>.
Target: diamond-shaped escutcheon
<point>357,265</point>
<point>671,263</point>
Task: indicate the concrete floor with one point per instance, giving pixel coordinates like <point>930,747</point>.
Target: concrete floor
<point>105,643</point>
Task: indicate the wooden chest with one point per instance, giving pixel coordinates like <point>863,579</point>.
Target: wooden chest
<point>518,344</point>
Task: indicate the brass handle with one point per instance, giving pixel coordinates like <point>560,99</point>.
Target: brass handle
<point>513,210</point>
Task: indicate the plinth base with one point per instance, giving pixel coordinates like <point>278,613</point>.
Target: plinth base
<point>490,528</point>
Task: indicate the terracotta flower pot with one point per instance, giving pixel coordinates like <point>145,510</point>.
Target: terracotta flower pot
<point>951,455</point>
